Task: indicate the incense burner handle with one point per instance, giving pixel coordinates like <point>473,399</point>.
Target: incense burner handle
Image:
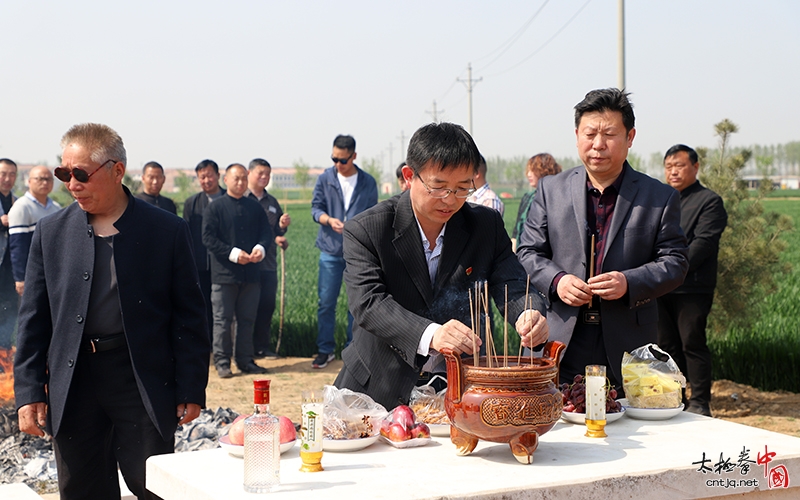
<point>554,350</point>
<point>455,382</point>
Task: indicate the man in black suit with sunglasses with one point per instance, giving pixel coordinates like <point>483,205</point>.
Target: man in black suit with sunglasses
<point>112,352</point>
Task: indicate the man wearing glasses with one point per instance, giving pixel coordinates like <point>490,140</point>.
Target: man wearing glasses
<point>24,215</point>
<point>340,193</point>
<point>112,352</point>
<point>411,262</point>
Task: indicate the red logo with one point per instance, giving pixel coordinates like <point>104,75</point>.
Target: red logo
<point>778,477</point>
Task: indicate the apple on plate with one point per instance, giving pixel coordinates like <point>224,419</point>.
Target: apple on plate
<point>404,416</point>
<point>398,433</point>
<point>236,433</point>
<point>288,432</point>
<point>421,430</point>
<point>385,424</point>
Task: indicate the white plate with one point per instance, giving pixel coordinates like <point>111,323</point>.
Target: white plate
<point>580,418</point>
<point>650,413</point>
<point>238,450</point>
<point>441,430</point>
<point>348,444</point>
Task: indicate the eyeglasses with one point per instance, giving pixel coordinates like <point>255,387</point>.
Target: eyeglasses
<point>442,193</point>
<point>65,174</point>
<point>336,160</point>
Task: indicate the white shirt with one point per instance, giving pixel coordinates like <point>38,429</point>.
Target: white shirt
<point>348,186</point>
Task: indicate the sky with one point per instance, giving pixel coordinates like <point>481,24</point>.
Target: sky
<point>182,81</point>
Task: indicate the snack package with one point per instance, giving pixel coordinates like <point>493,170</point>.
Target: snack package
<point>350,415</point>
<point>651,378</point>
<point>428,405</point>
<point>402,430</point>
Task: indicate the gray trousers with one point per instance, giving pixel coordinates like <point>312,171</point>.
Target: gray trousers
<point>227,300</point>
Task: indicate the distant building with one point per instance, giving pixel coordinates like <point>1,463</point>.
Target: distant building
<point>284,178</point>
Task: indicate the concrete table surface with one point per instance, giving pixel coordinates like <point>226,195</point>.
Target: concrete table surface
<point>639,459</point>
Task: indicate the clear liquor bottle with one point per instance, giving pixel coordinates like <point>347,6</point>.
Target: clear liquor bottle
<point>262,454</point>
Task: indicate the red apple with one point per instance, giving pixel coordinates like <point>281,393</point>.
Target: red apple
<point>398,433</point>
<point>288,432</point>
<point>236,433</point>
<point>421,430</point>
<point>385,424</point>
<point>404,416</point>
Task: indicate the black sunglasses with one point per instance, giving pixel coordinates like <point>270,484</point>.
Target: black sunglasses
<point>336,160</point>
<point>65,174</point>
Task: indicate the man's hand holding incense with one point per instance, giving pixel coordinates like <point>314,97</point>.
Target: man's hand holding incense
<point>532,328</point>
<point>608,286</point>
<point>573,291</point>
<point>457,336</point>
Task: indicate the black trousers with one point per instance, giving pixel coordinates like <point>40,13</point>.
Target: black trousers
<point>266,308</point>
<point>682,334</point>
<point>586,347</point>
<point>105,423</point>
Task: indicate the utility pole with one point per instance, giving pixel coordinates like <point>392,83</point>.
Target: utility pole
<point>391,148</point>
<point>434,114</point>
<point>469,81</point>
<point>402,146</point>
<point>621,44</point>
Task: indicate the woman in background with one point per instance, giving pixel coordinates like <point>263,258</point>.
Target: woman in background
<point>539,166</point>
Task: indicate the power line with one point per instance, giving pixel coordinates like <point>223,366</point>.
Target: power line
<point>510,42</point>
<point>545,43</point>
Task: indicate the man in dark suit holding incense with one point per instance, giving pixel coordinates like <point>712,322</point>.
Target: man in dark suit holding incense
<point>112,352</point>
<point>603,306</point>
<point>410,263</point>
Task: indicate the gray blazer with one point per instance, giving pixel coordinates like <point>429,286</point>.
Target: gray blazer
<point>645,243</point>
<point>390,294</point>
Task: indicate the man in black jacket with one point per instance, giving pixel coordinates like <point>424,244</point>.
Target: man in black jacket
<point>682,313</point>
<point>207,172</point>
<point>236,232</point>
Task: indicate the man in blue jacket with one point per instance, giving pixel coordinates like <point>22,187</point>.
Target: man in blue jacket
<point>341,192</point>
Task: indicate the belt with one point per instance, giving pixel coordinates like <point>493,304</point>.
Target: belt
<point>589,317</point>
<point>100,344</point>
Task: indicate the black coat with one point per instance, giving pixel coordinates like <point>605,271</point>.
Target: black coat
<point>234,222</point>
<point>193,209</point>
<point>703,219</point>
<point>163,312</point>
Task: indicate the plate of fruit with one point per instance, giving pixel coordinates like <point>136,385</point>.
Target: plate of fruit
<point>574,399</point>
<point>233,441</point>
<point>401,429</point>
<point>650,413</point>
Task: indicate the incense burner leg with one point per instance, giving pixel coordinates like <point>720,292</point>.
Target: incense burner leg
<point>523,446</point>
<point>465,443</point>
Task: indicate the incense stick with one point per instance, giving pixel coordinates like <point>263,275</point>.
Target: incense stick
<point>505,333</point>
<point>475,358</point>
<point>489,337</point>
<point>524,308</point>
<point>591,267</point>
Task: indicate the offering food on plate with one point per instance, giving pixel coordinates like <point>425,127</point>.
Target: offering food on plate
<point>350,415</point>
<point>402,429</point>
<point>650,382</point>
<point>574,397</point>
<point>288,431</point>
<point>428,406</point>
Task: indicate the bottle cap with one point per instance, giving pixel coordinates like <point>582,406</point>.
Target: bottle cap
<point>261,392</point>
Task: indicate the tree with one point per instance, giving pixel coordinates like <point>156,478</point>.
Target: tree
<point>373,168</point>
<point>750,248</point>
<point>301,176</point>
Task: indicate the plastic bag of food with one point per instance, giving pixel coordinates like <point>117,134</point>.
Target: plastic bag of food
<point>350,415</point>
<point>428,405</point>
<point>651,378</point>
<point>401,429</point>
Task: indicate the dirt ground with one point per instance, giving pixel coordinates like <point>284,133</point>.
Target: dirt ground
<point>774,411</point>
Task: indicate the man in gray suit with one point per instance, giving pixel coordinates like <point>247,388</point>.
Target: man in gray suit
<point>601,300</point>
<point>410,263</point>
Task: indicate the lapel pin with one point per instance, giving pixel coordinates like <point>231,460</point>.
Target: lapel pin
<point>469,271</point>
